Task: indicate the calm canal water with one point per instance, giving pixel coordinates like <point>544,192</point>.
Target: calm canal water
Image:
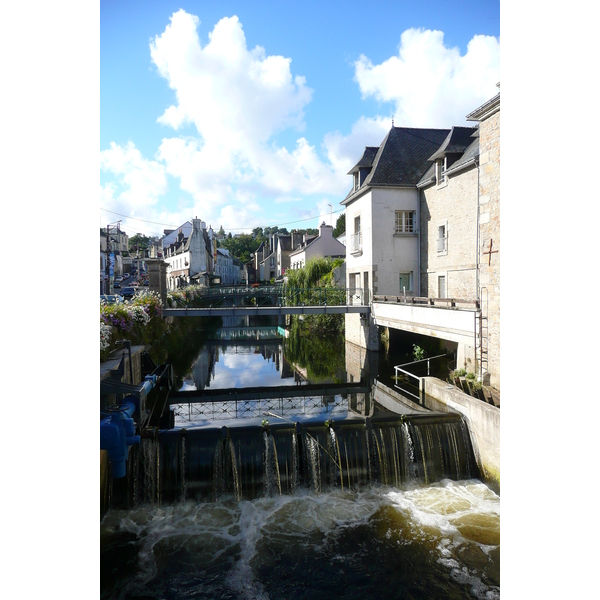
<point>413,540</point>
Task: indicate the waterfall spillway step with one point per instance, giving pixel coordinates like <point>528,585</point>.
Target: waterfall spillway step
<point>253,461</point>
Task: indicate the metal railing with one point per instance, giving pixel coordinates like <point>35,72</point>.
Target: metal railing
<point>276,295</point>
<point>356,243</point>
<point>454,303</point>
<point>419,379</point>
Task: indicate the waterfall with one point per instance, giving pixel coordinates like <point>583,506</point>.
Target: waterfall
<point>205,464</point>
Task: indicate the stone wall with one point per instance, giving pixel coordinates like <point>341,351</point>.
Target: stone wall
<point>363,333</point>
<point>489,231</point>
<point>454,206</point>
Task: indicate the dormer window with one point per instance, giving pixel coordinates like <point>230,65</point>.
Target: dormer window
<point>440,167</point>
<point>356,182</point>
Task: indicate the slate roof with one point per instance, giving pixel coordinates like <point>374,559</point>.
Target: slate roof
<point>471,150</point>
<point>456,142</point>
<point>366,159</point>
<point>401,159</point>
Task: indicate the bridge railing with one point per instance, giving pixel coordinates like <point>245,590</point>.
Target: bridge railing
<point>320,296</point>
<point>408,377</point>
<point>272,294</point>
<point>455,303</point>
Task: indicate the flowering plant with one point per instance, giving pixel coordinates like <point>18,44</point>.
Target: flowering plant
<point>131,319</point>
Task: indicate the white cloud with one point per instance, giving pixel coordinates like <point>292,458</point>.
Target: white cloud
<point>430,84</point>
<point>139,182</point>
<point>225,89</point>
<point>237,99</point>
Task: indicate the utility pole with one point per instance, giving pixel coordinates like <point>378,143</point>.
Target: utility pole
<point>108,269</point>
<point>107,289</point>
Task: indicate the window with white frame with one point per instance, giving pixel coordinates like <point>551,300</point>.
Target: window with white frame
<point>405,221</point>
<point>442,239</point>
<point>406,282</point>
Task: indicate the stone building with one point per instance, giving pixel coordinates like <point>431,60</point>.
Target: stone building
<point>423,220</point>
<point>488,116</point>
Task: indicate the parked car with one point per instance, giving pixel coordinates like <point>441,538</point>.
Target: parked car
<point>118,278</point>
<point>128,293</point>
<point>111,298</point>
<point>146,282</point>
<point>117,284</point>
<point>125,275</point>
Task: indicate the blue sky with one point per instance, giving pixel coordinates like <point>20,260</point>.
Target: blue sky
<point>250,114</point>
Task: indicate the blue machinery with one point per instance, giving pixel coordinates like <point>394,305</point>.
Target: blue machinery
<point>143,407</point>
<point>117,431</point>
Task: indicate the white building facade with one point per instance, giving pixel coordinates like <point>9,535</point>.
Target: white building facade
<point>324,245</point>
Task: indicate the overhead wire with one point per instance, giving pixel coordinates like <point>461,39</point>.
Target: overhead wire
<point>229,229</point>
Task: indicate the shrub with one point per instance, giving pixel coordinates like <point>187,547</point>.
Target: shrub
<point>138,320</point>
<point>418,352</point>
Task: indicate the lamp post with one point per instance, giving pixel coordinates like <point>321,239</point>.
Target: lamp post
<point>109,267</point>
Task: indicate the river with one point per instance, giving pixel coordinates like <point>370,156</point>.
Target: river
<point>369,537</point>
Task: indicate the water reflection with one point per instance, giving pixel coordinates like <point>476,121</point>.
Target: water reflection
<point>306,379</point>
<point>222,365</point>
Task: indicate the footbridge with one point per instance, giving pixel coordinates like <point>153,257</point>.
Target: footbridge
<point>266,300</point>
<point>451,319</point>
<point>455,320</point>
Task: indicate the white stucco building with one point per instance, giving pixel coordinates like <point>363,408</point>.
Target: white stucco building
<point>382,213</point>
<point>189,259</point>
<point>324,245</point>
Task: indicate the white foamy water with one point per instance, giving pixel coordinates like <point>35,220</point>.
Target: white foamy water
<point>277,545</point>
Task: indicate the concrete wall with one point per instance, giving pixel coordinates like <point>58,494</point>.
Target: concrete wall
<point>483,420</point>
<point>442,323</point>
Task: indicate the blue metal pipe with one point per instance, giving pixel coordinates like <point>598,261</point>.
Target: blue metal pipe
<point>117,431</point>
<point>117,435</point>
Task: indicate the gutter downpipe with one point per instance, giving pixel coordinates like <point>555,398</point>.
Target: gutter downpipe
<point>418,286</point>
<point>476,159</point>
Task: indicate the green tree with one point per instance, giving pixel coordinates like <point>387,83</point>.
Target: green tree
<point>240,246</point>
<point>340,225</point>
<point>140,241</point>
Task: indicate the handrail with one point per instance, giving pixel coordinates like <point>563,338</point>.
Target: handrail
<point>419,379</point>
<point>425,301</point>
<point>285,295</point>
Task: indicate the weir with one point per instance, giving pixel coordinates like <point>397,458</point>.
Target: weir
<point>251,461</point>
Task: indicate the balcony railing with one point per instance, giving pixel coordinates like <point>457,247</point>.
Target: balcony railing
<point>356,243</point>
